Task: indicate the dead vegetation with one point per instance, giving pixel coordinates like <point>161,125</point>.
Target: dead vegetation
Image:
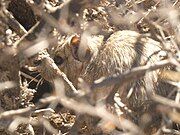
<point>40,96</point>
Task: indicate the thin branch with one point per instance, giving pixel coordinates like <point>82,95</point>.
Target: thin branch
<point>11,113</point>
<point>165,101</point>
<point>130,74</point>
<point>13,23</point>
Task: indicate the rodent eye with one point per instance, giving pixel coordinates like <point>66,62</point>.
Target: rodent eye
<point>58,60</point>
<point>37,62</point>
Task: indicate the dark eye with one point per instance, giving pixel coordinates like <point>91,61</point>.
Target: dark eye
<point>58,60</point>
<point>37,62</point>
<point>72,23</point>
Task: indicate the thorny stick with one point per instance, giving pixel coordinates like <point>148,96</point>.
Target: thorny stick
<point>130,74</point>
<point>67,81</point>
<point>48,18</point>
<point>40,121</point>
<point>175,3</point>
<point>99,111</point>
<point>119,80</point>
<point>12,22</point>
<point>50,71</point>
<point>17,43</point>
<point>12,113</point>
<point>165,101</point>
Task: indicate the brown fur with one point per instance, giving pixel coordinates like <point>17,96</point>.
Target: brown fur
<point>122,51</point>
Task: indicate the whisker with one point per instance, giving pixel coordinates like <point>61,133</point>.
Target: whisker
<point>39,83</point>
<point>29,77</point>
<point>34,78</point>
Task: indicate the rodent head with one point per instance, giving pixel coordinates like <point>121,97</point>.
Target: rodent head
<point>80,49</point>
<point>75,52</point>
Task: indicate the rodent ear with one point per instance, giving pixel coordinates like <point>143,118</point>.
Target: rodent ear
<point>74,44</point>
<point>80,50</point>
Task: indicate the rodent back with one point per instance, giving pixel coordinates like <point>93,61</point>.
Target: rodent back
<point>122,51</point>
